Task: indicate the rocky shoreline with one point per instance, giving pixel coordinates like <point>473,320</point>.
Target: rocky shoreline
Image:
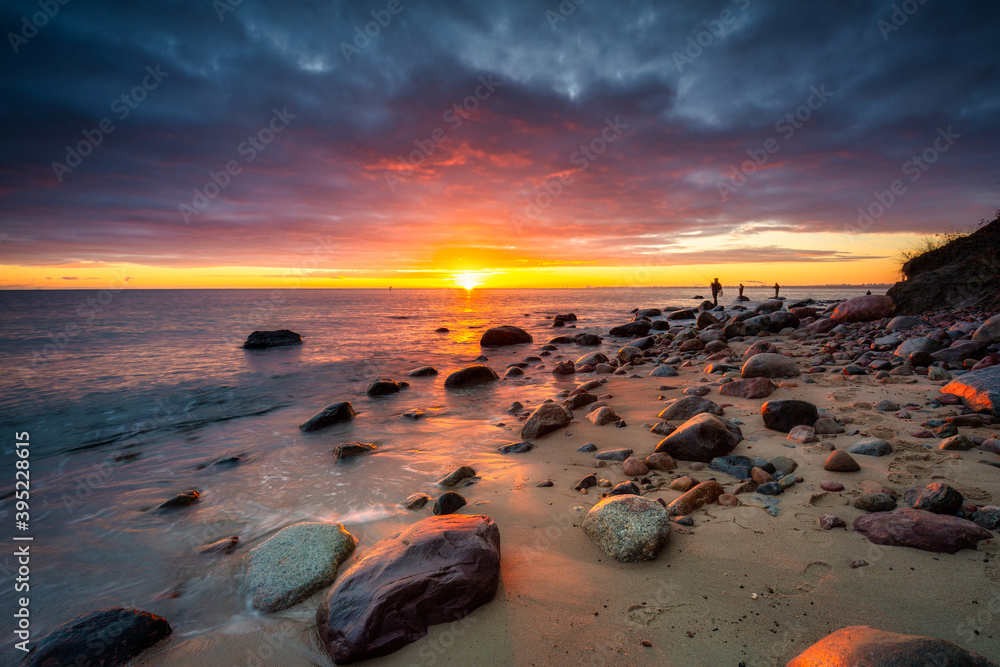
<point>836,441</point>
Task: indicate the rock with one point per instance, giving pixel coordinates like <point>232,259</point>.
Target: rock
<point>840,461</point>
<point>769,365</point>
<point>830,521</point>
<point>705,320</point>
<point>504,336</point>
<point>871,447</point>
<point>630,330</point>
<point>183,499</point>
<point>545,484</point>
<point>663,371</point>
<point>864,308</point>
<point>383,387</point>
<point>513,371</point>
<point>956,354</point>
<point>348,449</point>
<point>862,646</point>
<point>825,426</point>
<point>625,488</point>
<point>802,434</point>
<point>701,494</point>
<point>875,502</point>
<point>737,467</point>
<point>226,545</point>
<point>987,517</point>
<point>956,443</point>
<point>785,415</point>
<point>660,461</point>
<point>728,500</point>
<point>614,455</point>
<point>111,636</point>
<point>905,322</point>
<point>260,340</point>
<point>472,376</point>
<point>935,373</point>
<point>515,408</point>
<point>589,447</point>
<point>701,438</point>
<point>935,497</point>
<point>979,390</point>
<point>662,428</point>
<point>587,339</point>
<point>627,354</point>
<point>784,465</point>
<point>423,371</point>
<point>516,448</point>
<point>916,344</point>
<point>684,314</point>
<point>603,416</point>
<point>644,343</point>
<point>750,388</point>
<point>771,489</point>
<point>294,563</point>
<point>629,528</point>
<point>682,484</point>
<point>633,467</point>
<point>989,332</point>
<point>415,501</point>
<point>592,359</point>
<point>437,570</point>
<point>921,530</point>
<point>886,406</point>
<point>546,418</point>
<point>760,476</point>
<point>682,409</point>
<point>833,487</point>
<point>568,317</point>
<point>586,483</point>
<point>335,413</point>
<point>415,413</point>
<point>564,368</point>
<point>457,476</point>
<point>448,503</point>
<point>990,446</point>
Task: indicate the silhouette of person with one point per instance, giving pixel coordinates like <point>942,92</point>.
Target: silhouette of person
<point>776,288</point>
<point>716,291</point>
<point>868,293</point>
<point>741,289</point>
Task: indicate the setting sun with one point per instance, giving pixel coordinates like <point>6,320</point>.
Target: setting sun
<point>468,279</point>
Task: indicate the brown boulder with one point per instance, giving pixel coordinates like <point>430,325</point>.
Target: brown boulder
<point>864,308</point>
<point>862,646</point>
<point>920,529</point>
<point>702,494</point>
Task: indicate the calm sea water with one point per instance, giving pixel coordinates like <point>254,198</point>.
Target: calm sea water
<point>129,394</point>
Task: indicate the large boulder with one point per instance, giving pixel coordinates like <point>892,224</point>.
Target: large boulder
<point>785,415</point>
<point>384,387</point>
<point>701,438</point>
<point>989,332</point>
<point>769,365</point>
<point>472,376</point>
<point>628,528</point>
<point>979,390</point>
<point>630,330</point>
<point>956,354</point>
<point>110,636</point>
<point>504,336</point>
<point>905,322</point>
<point>437,570</point>
<point>916,344</point>
<point>546,418</point>
<point>592,359</point>
<point>335,413</point>
<point>862,646</point>
<point>936,497</point>
<point>750,388</point>
<point>684,408</point>
<point>294,563</point>
<point>864,308</point>
<point>921,530</point>
<point>961,273</point>
<point>260,340</point>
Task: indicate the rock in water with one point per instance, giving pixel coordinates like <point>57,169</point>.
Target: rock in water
<point>260,340</point>
<point>862,646</point>
<point>979,390</point>
<point>921,530</point>
<point>629,528</point>
<point>184,499</point>
<point>630,330</point>
<point>504,336</point>
<point>546,418</point>
<point>384,387</point>
<point>436,571</point>
<point>346,450</point>
<point>110,636</point>
<point>864,308</point>
<point>701,438</point>
<point>449,503</point>
<point>294,563</point>
<point>328,416</point>
<point>456,476</point>
<point>684,408</point>
<point>785,415</point>
<point>473,376</point>
<point>423,371</point>
<point>769,365</point>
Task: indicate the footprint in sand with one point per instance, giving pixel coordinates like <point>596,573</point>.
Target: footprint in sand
<point>646,614</point>
<point>814,573</point>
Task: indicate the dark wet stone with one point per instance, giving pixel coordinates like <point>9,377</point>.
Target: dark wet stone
<point>987,517</point>
<point>586,483</point>
<point>384,387</point>
<point>871,447</point>
<point>423,371</point>
<point>919,529</point>
<point>734,465</point>
<point>224,546</point>
<point>589,447</point>
<point>448,503</point>
<point>437,570</point>
<point>260,340</point>
<point>457,476</point>
<point>545,484</point>
<point>335,413</point>
<point>875,502</point>
<point>416,501</point>
<point>771,489</point>
<point>473,376</point>
<point>785,415</point>
<point>346,450</point>
<point>630,330</point>
<point>505,336</point>
<point>935,497</point>
<point>110,636</point>
<point>516,448</point>
<point>185,499</point>
<point>701,438</point>
<point>613,455</point>
<point>625,488</point>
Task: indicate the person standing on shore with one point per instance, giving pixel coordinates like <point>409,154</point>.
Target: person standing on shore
<point>741,289</point>
<point>716,291</point>
<point>776,288</point>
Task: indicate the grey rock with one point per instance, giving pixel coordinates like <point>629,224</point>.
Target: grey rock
<point>335,413</point>
<point>871,447</point>
<point>628,528</point>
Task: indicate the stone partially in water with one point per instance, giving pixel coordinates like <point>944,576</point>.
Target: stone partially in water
<point>110,636</point>
<point>335,413</point>
<point>546,418</point>
<point>504,336</point>
<point>260,340</point>
<point>472,376</point>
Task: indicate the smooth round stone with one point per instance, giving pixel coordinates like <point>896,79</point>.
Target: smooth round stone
<point>831,486</point>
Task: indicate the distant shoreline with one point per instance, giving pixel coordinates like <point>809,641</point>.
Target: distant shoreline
<point>413,289</point>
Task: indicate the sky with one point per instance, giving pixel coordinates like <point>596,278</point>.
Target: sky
<point>415,143</point>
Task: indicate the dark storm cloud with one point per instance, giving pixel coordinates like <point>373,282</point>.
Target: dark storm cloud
<point>701,87</point>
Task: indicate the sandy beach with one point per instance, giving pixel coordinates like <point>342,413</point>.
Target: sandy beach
<point>739,587</point>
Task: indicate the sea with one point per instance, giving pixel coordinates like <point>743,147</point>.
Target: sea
<point>131,396</point>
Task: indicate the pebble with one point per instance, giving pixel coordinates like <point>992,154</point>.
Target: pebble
<point>830,521</point>
<point>831,486</point>
<point>841,461</point>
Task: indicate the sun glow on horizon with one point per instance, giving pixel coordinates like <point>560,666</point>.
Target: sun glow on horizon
<point>468,279</point>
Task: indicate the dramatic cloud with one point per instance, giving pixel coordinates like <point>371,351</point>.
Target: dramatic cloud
<point>515,134</point>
